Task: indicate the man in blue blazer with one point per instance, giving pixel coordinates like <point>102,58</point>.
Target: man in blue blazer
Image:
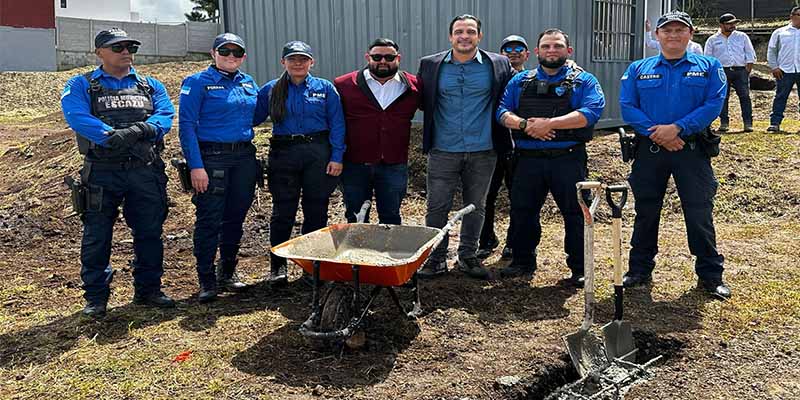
<point>461,89</point>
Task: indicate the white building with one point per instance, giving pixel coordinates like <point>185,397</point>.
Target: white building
<point>108,10</point>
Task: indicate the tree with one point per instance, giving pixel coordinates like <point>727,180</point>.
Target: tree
<point>204,10</point>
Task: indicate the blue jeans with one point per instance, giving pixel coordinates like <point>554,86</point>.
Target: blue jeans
<point>739,80</point>
<point>142,192</point>
<point>221,210</point>
<point>387,181</point>
<point>782,91</point>
<point>446,172</point>
<point>697,186</point>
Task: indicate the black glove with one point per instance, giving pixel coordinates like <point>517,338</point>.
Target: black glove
<point>126,137</point>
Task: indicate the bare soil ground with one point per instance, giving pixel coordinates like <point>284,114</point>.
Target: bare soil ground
<point>472,332</point>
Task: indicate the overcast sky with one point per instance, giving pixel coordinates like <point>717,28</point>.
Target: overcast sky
<point>162,10</point>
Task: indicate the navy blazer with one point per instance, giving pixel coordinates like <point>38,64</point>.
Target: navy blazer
<point>428,79</point>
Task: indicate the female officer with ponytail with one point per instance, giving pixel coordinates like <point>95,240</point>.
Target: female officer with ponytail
<point>306,148</point>
<point>216,132</point>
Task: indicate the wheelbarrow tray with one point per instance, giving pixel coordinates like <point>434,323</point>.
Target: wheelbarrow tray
<point>388,255</point>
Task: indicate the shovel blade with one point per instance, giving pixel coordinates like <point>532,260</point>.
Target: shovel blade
<point>618,337</point>
<point>586,352</point>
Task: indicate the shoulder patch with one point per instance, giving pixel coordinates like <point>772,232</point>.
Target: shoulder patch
<point>624,77</point>
<point>66,92</point>
<point>647,77</point>
<point>185,90</point>
<point>722,76</point>
<point>695,73</point>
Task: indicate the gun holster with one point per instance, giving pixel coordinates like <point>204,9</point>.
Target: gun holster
<point>263,164</point>
<point>84,197</point>
<point>628,144</point>
<point>184,175</point>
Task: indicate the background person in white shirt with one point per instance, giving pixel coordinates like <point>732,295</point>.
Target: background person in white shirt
<point>651,42</point>
<point>783,57</point>
<point>735,52</point>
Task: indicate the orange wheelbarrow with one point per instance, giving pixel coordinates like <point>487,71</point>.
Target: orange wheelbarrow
<point>383,256</point>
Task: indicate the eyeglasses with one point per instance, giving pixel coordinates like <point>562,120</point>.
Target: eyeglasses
<point>511,49</point>
<point>387,57</point>
<point>119,47</point>
<point>224,51</point>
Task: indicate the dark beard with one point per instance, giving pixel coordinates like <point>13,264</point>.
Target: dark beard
<point>553,64</point>
<point>382,73</point>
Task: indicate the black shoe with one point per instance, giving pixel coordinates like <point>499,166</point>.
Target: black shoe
<point>774,129</point>
<point>748,127</point>
<point>634,280</point>
<point>507,253</point>
<point>155,299</point>
<point>432,269</point>
<point>207,295</point>
<point>278,275</point>
<point>723,127</point>
<point>518,270</point>
<point>715,287</point>
<point>484,253</point>
<point>576,280</point>
<point>232,283</point>
<point>95,310</point>
<point>472,267</point>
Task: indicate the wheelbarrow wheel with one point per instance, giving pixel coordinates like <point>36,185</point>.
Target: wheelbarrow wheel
<point>336,315</point>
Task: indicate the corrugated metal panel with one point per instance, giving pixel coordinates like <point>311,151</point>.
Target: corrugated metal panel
<point>340,31</point>
<point>28,14</point>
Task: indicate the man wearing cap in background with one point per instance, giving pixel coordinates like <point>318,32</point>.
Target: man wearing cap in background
<point>735,51</point>
<point>783,57</point>
<point>120,118</point>
<point>652,43</point>
<point>379,102</point>
<point>514,47</point>
<point>670,100</point>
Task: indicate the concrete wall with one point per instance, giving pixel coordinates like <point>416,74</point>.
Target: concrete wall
<point>160,43</point>
<point>114,10</point>
<point>27,49</point>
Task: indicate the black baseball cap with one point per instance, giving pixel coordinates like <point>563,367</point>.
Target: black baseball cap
<point>728,18</point>
<point>514,39</point>
<point>111,36</point>
<point>675,16</point>
<point>228,38</point>
<point>297,47</point>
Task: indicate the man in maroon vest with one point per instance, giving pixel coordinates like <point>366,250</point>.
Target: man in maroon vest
<point>379,102</point>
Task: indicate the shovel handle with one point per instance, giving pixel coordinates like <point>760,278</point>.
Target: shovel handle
<point>362,214</point>
<point>588,210</point>
<point>616,207</point>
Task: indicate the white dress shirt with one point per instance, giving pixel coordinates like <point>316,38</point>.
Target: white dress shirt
<point>692,47</point>
<point>387,93</point>
<point>783,51</point>
<point>735,50</point>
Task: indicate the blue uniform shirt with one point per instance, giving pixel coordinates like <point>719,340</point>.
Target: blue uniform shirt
<point>312,106</point>
<point>75,103</point>
<point>587,98</point>
<point>215,108</point>
<point>463,115</point>
<point>688,93</point>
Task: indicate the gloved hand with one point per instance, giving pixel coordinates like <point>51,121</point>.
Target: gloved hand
<point>126,137</point>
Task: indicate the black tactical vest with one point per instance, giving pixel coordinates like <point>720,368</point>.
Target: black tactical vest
<point>540,99</point>
<point>117,108</point>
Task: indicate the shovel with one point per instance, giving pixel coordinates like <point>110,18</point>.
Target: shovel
<point>585,348</point>
<point>617,333</point>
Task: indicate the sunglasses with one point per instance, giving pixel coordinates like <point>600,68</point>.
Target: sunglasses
<point>119,47</point>
<point>224,51</point>
<point>511,49</point>
<point>387,57</point>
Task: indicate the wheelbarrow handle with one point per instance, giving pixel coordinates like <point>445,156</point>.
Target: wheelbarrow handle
<point>362,214</point>
<point>616,207</point>
<point>451,223</point>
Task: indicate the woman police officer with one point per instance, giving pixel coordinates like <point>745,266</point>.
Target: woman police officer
<point>306,148</point>
<point>216,133</point>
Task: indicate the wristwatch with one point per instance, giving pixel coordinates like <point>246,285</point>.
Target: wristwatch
<point>523,124</point>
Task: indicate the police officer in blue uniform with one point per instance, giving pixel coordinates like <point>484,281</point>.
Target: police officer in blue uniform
<point>551,111</point>
<point>306,148</point>
<point>216,131</point>
<point>120,118</point>
<point>670,100</point>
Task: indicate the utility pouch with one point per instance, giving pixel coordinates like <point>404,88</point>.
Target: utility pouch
<point>628,144</point>
<point>184,174</point>
<point>709,142</point>
<point>77,194</point>
<point>261,174</point>
<point>94,198</point>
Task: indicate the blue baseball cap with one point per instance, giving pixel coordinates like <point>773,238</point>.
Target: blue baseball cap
<point>228,38</point>
<point>111,36</point>
<point>675,16</point>
<point>297,47</point>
